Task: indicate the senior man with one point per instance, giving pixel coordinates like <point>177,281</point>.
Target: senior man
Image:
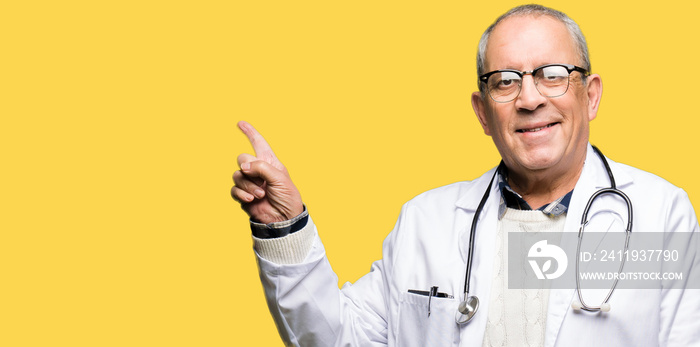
<point>536,98</point>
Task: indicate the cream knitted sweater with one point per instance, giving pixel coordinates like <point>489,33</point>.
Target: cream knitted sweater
<point>517,317</point>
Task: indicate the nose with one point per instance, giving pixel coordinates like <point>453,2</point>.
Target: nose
<point>529,98</point>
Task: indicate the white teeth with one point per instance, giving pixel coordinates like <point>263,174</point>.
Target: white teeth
<point>537,129</point>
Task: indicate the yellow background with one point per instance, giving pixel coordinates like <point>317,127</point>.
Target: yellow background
<point>118,143</point>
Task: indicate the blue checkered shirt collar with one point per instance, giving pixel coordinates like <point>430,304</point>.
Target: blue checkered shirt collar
<point>510,198</point>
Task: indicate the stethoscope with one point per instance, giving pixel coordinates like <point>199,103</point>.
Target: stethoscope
<point>468,307</point>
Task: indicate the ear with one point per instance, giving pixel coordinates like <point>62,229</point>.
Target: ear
<point>594,88</point>
<point>479,105</point>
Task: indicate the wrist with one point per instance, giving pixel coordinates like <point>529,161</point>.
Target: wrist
<point>279,228</point>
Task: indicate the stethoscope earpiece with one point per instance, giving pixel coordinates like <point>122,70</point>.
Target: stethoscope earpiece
<point>604,307</point>
<point>576,305</point>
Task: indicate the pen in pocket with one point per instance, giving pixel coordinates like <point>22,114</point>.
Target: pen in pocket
<point>433,292</point>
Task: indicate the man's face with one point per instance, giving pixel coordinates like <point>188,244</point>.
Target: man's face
<point>533,132</point>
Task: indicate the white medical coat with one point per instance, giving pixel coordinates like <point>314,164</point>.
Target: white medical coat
<point>429,247</point>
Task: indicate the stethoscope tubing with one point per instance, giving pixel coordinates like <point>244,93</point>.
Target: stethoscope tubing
<point>584,220</point>
<point>472,232</point>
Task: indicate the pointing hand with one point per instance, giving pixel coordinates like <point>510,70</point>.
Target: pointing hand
<point>262,185</point>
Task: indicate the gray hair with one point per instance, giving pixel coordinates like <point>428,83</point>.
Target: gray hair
<point>536,10</point>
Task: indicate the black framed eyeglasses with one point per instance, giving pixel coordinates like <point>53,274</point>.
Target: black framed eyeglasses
<point>551,80</point>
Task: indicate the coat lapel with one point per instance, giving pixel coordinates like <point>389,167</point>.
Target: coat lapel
<point>484,250</point>
<point>593,177</point>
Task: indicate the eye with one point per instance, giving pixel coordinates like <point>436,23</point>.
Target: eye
<point>553,74</point>
<point>506,83</point>
<point>554,77</point>
<point>505,80</point>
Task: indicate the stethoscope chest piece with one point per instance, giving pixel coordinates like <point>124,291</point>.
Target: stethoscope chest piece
<point>467,309</point>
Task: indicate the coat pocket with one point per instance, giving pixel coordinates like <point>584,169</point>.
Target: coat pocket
<point>416,328</point>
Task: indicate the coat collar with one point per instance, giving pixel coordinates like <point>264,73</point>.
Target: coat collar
<point>595,175</point>
<point>471,196</point>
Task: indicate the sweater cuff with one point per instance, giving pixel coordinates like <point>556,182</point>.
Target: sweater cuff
<point>279,229</point>
<point>290,249</point>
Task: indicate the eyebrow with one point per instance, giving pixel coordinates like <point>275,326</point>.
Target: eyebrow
<point>539,65</point>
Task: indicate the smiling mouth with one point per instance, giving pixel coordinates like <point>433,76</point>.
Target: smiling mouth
<point>532,130</point>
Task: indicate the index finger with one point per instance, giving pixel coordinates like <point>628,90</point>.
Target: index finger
<point>261,147</point>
